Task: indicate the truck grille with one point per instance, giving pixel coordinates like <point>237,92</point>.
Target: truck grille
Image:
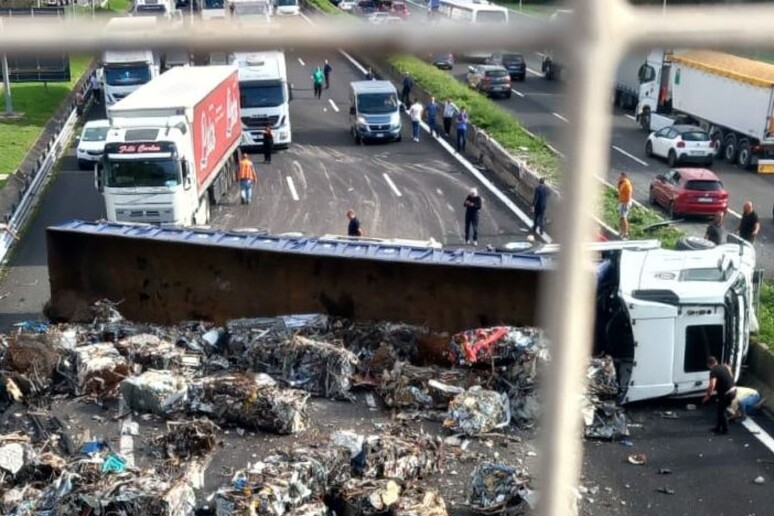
<point>259,121</point>
<point>151,216</point>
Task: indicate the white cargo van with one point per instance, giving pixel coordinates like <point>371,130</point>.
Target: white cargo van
<point>374,112</point>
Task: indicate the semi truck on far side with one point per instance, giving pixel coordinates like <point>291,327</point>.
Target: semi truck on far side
<point>730,97</point>
<point>172,148</point>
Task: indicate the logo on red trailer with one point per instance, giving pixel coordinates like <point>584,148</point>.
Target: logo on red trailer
<point>232,110</point>
<point>208,138</point>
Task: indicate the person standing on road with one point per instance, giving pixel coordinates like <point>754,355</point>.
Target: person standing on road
<point>327,69</point>
<point>722,383</point>
<point>539,205</point>
<point>370,75</point>
<point>750,223</point>
<point>715,232</point>
<point>96,91</point>
<point>624,203</point>
<point>247,178</point>
<point>448,115</point>
<point>472,208</point>
<point>317,80</point>
<point>432,114</point>
<point>268,144</point>
<point>353,228</point>
<point>415,113</point>
<point>746,403</point>
<point>462,128</point>
<point>408,83</point>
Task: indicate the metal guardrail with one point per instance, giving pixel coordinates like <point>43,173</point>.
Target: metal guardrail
<point>17,217</point>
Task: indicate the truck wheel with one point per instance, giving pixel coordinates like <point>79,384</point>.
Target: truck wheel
<point>645,119</point>
<point>716,136</point>
<point>730,148</point>
<point>692,243</point>
<point>672,158</point>
<point>744,158</point>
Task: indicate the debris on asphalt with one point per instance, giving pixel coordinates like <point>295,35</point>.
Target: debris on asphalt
<point>477,411</point>
<point>188,439</point>
<point>409,386</point>
<point>368,497</point>
<point>496,486</point>
<point>638,459</point>
<point>417,501</point>
<point>666,490</point>
<point>497,345</point>
<point>159,392</point>
<point>603,418</point>
<point>759,480</point>
<point>664,471</point>
<point>100,368</point>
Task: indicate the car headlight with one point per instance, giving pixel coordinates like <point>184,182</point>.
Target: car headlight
<point>361,120</point>
<point>395,120</point>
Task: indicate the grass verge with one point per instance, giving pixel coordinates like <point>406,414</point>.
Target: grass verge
<point>766,315</point>
<point>324,6</point>
<point>640,217</point>
<point>38,102</point>
<point>484,113</point>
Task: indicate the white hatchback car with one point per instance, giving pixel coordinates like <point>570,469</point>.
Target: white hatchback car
<point>91,143</point>
<point>347,5</point>
<point>681,143</point>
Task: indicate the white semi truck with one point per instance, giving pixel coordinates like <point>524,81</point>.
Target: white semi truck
<point>122,72</point>
<point>171,151</point>
<point>731,97</point>
<point>626,86</point>
<point>265,95</point>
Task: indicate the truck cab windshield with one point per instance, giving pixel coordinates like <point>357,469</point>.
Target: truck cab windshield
<point>249,9</point>
<point>287,2</point>
<point>377,103</point>
<point>257,94</point>
<point>214,4</point>
<point>142,173</point>
<point>127,74</point>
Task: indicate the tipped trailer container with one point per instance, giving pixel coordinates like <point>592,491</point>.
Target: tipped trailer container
<point>730,97</point>
<point>172,148</point>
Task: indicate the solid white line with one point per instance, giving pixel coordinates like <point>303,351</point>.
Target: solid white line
<point>533,72</point>
<point>520,94</point>
<point>333,105</point>
<point>540,54</point>
<point>349,57</point>
<point>392,185</point>
<point>301,61</point>
<point>734,213</point>
<point>292,187</point>
<point>635,158</point>
<point>560,117</point>
<point>759,433</point>
<point>627,115</point>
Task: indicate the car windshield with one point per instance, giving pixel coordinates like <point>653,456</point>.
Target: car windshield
<point>256,95</point>
<point>513,58</point>
<point>496,73</point>
<point>704,185</point>
<point>695,136</point>
<point>373,103</point>
<point>141,172</point>
<point>287,2</point>
<point>214,4</point>
<point>94,134</point>
<point>127,75</point>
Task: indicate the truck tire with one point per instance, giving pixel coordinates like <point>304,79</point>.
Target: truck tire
<point>692,243</point>
<point>716,136</point>
<point>730,147</point>
<point>744,158</point>
<point>645,119</point>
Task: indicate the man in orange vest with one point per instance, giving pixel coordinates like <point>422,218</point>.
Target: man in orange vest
<point>624,202</point>
<point>247,178</point>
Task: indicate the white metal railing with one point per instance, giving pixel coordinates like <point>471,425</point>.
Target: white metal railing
<point>598,34</point>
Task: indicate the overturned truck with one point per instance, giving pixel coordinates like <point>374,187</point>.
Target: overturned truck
<point>659,313</point>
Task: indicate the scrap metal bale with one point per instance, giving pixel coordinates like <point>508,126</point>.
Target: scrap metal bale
<point>498,345</point>
<point>100,368</point>
<point>310,509</point>
<point>602,378</point>
<point>150,494</point>
<point>418,501</point>
<point>188,439</point>
<point>334,459</point>
<point>425,388</point>
<point>391,456</point>
<point>250,402</point>
<point>367,497</point>
<point>149,351</point>
<point>320,368</point>
<point>604,420</point>
<point>159,392</point>
<point>497,486</point>
<point>477,411</point>
<point>31,356</point>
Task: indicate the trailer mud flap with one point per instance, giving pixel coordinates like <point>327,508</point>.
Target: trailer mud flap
<point>167,275</point>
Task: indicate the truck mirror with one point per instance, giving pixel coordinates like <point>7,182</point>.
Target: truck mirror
<point>98,178</point>
<point>187,183</point>
<point>352,110</point>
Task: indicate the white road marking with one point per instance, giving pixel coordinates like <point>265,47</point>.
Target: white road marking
<point>635,158</point>
<point>301,61</point>
<point>392,185</point>
<point>627,115</point>
<point>520,94</point>
<point>292,187</point>
<point>450,207</point>
<point>126,441</point>
<point>759,433</point>
<point>560,117</point>
<point>333,105</point>
<point>734,213</point>
<point>540,54</point>
<point>533,72</point>
<point>440,192</point>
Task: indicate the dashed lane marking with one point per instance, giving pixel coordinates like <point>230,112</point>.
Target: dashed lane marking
<point>392,184</point>
<point>560,117</point>
<point>292,186</point>
<point>631,156</point>
<point>333,105</point>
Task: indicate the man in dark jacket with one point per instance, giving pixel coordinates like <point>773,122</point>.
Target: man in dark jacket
<point>327,69</point>
<point>539,205</point>
<point>405,96</point>
<point>721,381</point>
<point>472,208</point>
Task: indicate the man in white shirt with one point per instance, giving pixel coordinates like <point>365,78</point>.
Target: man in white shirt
<point>95,88</point>
<point>415,112</point>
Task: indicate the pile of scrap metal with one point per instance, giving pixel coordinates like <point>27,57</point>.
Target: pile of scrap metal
<point>498,487</point>
<point>602,416</point>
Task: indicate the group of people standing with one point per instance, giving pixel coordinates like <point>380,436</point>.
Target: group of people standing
<point>320,76</point>
<point>448,111</point>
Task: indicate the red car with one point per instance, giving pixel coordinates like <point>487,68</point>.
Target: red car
<point>399,9</point>
<point>689,191</point>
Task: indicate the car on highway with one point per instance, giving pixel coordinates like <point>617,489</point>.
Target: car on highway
<point>689,191</point>
<point>347,5</point>
<point>366,7</point>
<point>374,111</point>
<point>399,9</point>
<point>91,143</point>
<point>380,18</point>
<point>443,60</point>
<point>513,62</point>
<point>489,79</point>
<point>681,143</point>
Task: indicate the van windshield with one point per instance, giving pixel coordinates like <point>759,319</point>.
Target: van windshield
<point>213,4</point>
<point>377,102</point>
<point>287,2</point>
<point>127,74</point>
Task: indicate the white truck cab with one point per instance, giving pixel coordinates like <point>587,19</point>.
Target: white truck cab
<point>287,7</point>
<point>122,72</point>
<point>661,313</point>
